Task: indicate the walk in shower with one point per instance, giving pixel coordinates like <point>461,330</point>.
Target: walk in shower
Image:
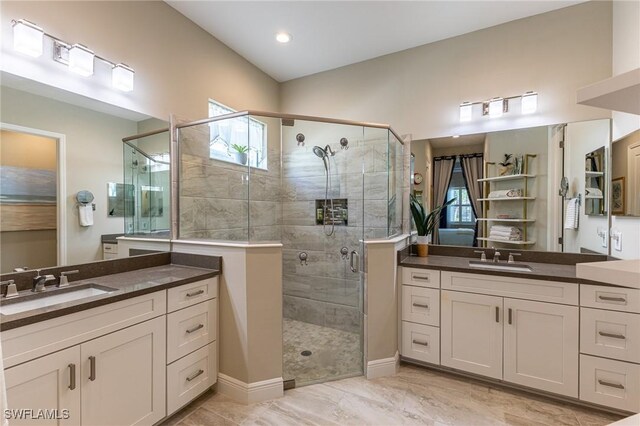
<point>321,188</point>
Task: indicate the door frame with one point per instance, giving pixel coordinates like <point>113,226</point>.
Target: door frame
<point>631,176</point>
<point>61,182</point>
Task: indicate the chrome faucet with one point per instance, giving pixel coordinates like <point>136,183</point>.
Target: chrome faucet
<point>39,282</point>
<point>64,281</point>
<point>483,255</point>
<point>496,256</point>
<point>511,254</point>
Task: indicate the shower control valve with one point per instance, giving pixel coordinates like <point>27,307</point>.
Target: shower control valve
<point>303,258</point>
<point>345,253</point>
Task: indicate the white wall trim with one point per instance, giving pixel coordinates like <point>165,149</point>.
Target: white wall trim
<point>383,367</point>
<point>250,393</point>
<point>61,176</point>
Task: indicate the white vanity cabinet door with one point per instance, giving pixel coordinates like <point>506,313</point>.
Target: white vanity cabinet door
<point>45,383</point>
<point>127,386</point>
<point>541,346</point>
<point>471,333</point>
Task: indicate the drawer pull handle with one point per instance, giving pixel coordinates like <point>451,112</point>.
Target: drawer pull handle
<point>420,277</point>
<point>72,376</point>
<point>612,335</point>
<point>419,342</point>
<point>611,385</point>
<point>92,368</point>
<point>497,314</point>
<point>612,299</point>
<point>195,293</point>
<point>510,311</point>
<point>196,328</point>
<point>421,305</point>
<point>194,375</point>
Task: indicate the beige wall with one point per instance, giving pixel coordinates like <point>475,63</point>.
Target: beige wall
<point>93,158</point>
<point>178,65</point>
<point>418,90</point>
<point>29,151</point>
<point>620,166</point>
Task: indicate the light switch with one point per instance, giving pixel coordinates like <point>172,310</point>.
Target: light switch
<point>616,236</point>
<point>602,233</point>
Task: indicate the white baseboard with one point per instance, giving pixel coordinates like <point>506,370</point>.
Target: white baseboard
<point>250,393</point>
<point>383,367</point>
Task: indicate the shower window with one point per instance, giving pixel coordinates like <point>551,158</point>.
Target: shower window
<point>227,134</point>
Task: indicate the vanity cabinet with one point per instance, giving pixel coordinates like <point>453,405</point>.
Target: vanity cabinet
<point>50,382</point>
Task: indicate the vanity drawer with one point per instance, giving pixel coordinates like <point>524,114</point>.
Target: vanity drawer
<point>188,377</point>
<point>421,342</point>
<point>421,277</point>
<point>110,248</point>
<point>190,294</point>
<point>613,298</point>
<point>610,334</point>
<point>516,288</point>
<point>190,329</point>
<point>611,383</point>
<point>421,305</point>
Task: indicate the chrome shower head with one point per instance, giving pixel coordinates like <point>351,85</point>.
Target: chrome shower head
<point>321,153</point>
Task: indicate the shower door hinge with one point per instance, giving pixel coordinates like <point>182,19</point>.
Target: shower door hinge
<point>562,144</point>
<point>560,240</point>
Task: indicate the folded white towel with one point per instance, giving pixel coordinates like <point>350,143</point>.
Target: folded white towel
<point>506,193</point>
<point>593,192</point>
<point>572,214</point>
<point>504,228</point>
<point>85,212</point>
<point>503,238</point>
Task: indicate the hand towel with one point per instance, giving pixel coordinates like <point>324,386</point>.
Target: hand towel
<point>571,214</point>
<point>85,212</point>
<point>506,193</point>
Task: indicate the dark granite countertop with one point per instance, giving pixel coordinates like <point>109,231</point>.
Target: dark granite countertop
<point>540,271</point>
<point>127,284</point>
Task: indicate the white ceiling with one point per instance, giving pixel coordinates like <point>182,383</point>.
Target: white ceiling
<point>464,140</point>
<point>331,34</point>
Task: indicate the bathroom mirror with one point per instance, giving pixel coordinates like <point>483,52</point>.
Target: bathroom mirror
<point>625,175</point>
<point>508,191</point>
<point>595,182</point>
<point>45,124</point>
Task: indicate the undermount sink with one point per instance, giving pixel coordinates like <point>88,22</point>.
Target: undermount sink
<point>52,297</point>
<point>518,267</point>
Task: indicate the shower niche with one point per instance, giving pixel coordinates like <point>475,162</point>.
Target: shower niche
<point>335,210</point>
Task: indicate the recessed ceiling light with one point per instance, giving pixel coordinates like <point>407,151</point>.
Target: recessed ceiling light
<point>283,37</point>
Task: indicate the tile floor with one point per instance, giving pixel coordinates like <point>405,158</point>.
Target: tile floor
<point>415,396</point>
<point>334,353</point>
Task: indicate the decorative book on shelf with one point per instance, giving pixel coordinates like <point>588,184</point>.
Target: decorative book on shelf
<point>505,193</point>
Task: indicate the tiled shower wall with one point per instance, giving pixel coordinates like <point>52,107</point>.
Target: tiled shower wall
<point>323,290</point>
<point>226,201</point>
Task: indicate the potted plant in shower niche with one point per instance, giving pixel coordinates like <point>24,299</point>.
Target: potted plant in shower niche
<point>240,153</point>
<point>425,223</point>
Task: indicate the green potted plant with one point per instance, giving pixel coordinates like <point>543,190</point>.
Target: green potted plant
<point>506,167</point>
<point>240,152</point>
<point>425,223</point>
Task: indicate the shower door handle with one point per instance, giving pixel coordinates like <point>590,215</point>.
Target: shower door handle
<point>354,256</point>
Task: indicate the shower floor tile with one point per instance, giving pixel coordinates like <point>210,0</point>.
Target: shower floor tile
<point>335,354</point>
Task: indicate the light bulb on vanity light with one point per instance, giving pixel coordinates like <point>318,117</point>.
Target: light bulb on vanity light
<point>466,109</point>
<point>27,38</point>
<point>529,103</point>
<point>496,107</point>
<point>81,60</point>
<point>122,77</point>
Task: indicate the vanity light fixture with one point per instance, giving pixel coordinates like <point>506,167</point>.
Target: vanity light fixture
<point>81,60</point>
<point>529,103</point>
<point>27,38</point>
<point>466,109</point>
<point>498,106</point>
<point>283,37</point>
<point>122,77</point>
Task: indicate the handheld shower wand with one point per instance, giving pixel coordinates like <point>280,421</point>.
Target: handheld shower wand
<point>324,154</point>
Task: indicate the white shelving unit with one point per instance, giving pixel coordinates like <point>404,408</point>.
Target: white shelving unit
<point>524,221</point>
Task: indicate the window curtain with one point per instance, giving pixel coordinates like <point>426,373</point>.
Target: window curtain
<point>442,172</point>
<point>472,170</point>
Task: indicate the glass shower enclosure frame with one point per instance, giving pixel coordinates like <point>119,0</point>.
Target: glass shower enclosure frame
<point>319,186</point>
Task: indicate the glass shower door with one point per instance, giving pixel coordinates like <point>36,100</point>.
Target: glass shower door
<point>322,233</point>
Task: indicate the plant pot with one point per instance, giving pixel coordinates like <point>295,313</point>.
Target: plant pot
<point>505,170</point>
<point>241,157</point>
<point>422,246</point>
